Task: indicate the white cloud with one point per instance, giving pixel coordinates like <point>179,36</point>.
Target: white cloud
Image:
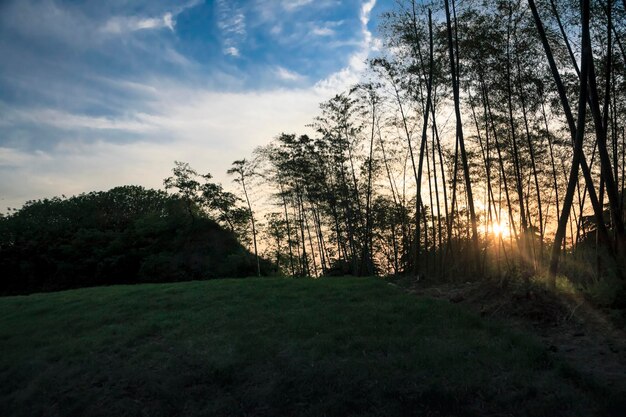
<point>169,21</point>
<point>351,74</point>
<point>322,31</point>
<point>366,10</point>
<point>72,121</point>
<point>232,24</point>
<point>287,75</point>
<point>326,28</point>
<point>295,4</point>
<point>124,24</point>
<point>205,128</point>
<point>232,51</point>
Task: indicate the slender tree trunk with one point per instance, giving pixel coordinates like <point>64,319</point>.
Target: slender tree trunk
<point>256,252</point>
<point>305,259</point>
<point>578,144</point>
<point>532,162</point>
<point>413,257</point>
<point>393,188</point>
<point>317,224</point>
<point>439,225</point>
<point>459,133</point>
<point>444,185</point>
<point>289,240</point>
<point>523,242</point>
<point>424,137</point>
<point>597,209</point>
<point>485,157</point>
<point>565,37</point>
<point>367,253</point>
<point>551,146</point>
<point>496,139</point>
<point>605,161</point>
<point>455,171</point>
<point>342,252</point>
<point>312,249</point>
<point>430,199</point>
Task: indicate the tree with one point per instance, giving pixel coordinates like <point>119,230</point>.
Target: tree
<point>243,170</point>
<point>459,133</point>
<point>125,235</point>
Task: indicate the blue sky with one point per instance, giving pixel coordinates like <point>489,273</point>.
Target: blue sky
<point>95,94</point>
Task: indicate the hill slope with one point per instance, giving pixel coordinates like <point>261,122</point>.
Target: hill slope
<point>269,347</point>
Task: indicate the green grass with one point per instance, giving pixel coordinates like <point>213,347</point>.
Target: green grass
<point>269,347</point>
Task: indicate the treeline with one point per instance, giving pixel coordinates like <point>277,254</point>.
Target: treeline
<point>125,235</point>
<point>489,139</point>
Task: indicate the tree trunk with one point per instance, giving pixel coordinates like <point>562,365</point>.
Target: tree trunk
<point>578,144</point>
<point>459,133</point>
<point>597,209</point>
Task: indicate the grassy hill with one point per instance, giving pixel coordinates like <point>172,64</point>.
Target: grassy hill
<point>271,347</point>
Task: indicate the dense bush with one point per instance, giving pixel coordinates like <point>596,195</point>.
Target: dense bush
<point>125,235</point>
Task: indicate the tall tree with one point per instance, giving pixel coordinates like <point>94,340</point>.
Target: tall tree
<point>459,135</point>
<point>243,170</point>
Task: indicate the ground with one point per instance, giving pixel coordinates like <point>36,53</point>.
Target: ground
<point>276,347</point>
<point>573,329</point>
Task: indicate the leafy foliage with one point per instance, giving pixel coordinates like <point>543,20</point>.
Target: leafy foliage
<point>125,235</point>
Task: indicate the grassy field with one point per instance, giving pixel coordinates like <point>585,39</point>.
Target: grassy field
<point>271,347</point>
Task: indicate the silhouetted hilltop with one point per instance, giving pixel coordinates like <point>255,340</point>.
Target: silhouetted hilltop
<point>126,235</point>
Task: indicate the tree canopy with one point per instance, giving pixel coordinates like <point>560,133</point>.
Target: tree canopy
<point>126,235</point>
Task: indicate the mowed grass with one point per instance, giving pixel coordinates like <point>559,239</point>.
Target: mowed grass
<point>269,347</point>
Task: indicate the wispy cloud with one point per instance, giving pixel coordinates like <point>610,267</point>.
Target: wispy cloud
<point>177,128</point>
<point>366,11</point>
<point>287,75</point>
<point>326,28</point>
<point>232,51</point>
<point>232,24</point>
<point>123,24</point>
<point>73,121</point>
<point>295,4</point>
<point>322,31</point>
<point>350,74</point>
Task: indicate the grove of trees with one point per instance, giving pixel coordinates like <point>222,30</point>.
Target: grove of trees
<point>127,235</point>
<point>489,139</point>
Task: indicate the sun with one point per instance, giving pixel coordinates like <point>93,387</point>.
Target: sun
<point>498,229</point>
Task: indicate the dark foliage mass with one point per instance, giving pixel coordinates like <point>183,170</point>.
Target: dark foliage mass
<point>125,235</point>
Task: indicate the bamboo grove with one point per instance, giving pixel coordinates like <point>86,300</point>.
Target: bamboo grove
<point>489,137</point>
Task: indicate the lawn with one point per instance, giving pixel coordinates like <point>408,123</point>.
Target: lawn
<point>271,347</point>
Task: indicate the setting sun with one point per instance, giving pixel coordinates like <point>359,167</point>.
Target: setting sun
<point>499,229</point>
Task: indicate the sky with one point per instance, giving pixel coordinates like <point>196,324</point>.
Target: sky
<point>95,94</point>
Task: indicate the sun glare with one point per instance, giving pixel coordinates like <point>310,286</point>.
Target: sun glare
<point>499,230</point>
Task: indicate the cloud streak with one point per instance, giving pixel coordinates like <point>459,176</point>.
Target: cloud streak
<point>287,75</point>
<point>119,25</point>
<point>232,23</point>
